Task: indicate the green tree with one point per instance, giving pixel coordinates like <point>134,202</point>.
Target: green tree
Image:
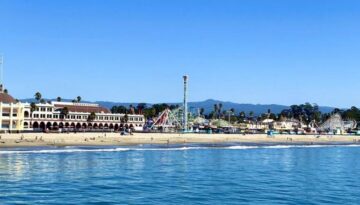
<point>78,99</point>
<point>65,111</point>
<point>220,109</point>
<point>202,111</point>
<point>216,111</point>
<point>58,99</point>
<point>114,109</point>
<point>91,117</point>
<point>38,96</point>
<point>140,107</point>
<point>32,107</point>
<point>149,112</point>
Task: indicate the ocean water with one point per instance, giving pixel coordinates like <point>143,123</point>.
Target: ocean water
<point>183,174</point>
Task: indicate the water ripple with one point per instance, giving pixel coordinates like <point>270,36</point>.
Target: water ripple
<point>231,174</point>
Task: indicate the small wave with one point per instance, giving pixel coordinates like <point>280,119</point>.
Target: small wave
<point>56,151</point>
<point>120,149</point>
<point>241,147</point>
<point>170,148</point>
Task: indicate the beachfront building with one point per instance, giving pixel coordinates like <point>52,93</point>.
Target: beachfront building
<point>12,113</point>
<point>288,125</point>
<point>80,116</point>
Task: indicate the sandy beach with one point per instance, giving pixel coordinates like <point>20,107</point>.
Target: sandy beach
<point>98,139</point>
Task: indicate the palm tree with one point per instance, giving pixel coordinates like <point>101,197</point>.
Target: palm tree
<point>202,111</point>
<point>38,96</point>
<point>58,99</point>
<point>65,111</point>
<point>220,107</point>
<point>32,107</point>
<point>126,118</point>
<point>78,98</point>
<point>42,101</point>
<point>230,113</point>
<point>216,110</point>
<point>91,117</point>
<point>251,115</point>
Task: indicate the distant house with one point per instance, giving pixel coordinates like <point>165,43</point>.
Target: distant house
<point>287,125</point>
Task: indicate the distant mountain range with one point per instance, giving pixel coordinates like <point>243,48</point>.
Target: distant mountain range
<point>208,105</point>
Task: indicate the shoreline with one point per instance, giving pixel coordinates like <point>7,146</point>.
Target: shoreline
<point>115,139</point>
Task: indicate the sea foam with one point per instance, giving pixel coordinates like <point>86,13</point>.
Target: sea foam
<point>184,148</point>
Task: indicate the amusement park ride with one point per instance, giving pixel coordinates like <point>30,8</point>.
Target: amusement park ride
<point>176,119</point>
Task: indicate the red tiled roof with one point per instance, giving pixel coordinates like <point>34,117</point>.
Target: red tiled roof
<point>89,109</point>
<point>6,98</point>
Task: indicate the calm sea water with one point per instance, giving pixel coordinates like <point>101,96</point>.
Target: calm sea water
<point>197,174</point>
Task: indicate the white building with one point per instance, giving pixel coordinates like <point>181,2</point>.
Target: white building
<point>11,113</point>
<point>66,115</point>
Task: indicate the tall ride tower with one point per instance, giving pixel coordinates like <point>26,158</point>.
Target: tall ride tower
<point>185,114</point>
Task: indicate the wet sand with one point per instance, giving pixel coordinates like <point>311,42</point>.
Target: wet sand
<point>115,139</point>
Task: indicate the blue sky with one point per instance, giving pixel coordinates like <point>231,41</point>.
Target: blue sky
<point>246,51</point>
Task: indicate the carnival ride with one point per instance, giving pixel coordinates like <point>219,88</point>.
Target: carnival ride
<point>169,119</point>
<point>336,123</point>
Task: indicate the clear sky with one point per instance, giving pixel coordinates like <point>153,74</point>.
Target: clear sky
<point>245,51</point>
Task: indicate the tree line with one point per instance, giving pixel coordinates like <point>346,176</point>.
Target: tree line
<point>305,113</point>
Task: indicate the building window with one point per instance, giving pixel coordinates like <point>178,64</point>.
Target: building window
<point>49,110</point>
<point>42,116</point>
<point>49,116</point>
<point>36,115</point>
<point>43,109</point>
